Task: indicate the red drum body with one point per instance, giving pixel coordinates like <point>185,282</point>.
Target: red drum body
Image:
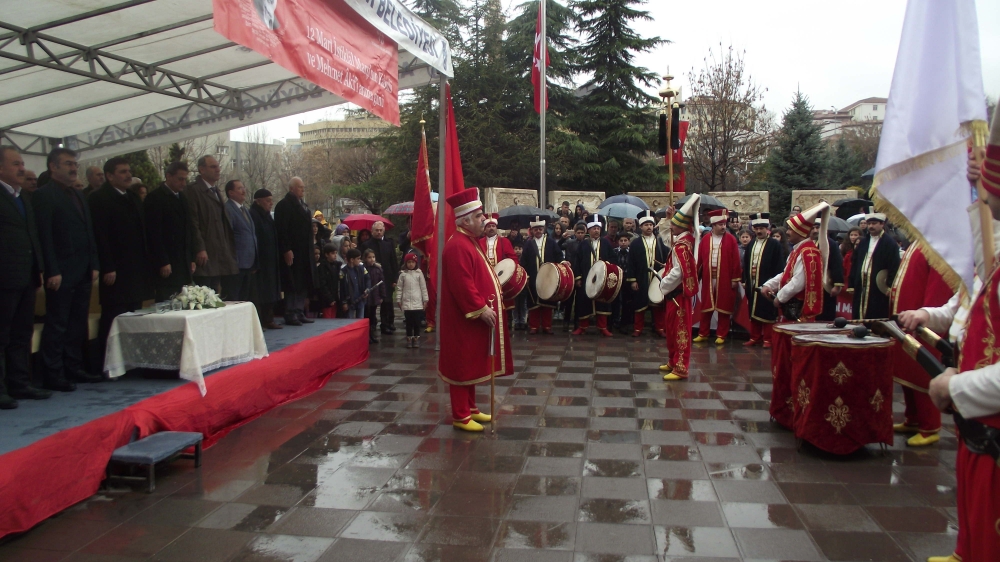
<point>513,278</point>
<point>604,282</point>
<point>554,282</point>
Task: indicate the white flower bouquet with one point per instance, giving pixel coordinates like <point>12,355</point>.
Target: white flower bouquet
<point>197,297</point>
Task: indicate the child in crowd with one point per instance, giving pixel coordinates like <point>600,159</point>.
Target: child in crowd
<point>317,255</point>
<point>521,302</point>
<point>376,295</point>
<point>411,298</point>
<point>354,285</point>
<point>328,282</point>
<point>621,310</point>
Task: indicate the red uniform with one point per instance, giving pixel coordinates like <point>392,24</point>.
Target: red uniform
<point>719,268</point>
<point>496,249</point>
<point>917,285</point>
<point>812,263</point>
<point>469,287</point>
<point>678,304</point>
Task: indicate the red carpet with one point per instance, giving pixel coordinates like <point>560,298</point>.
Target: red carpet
<point>58,471</point>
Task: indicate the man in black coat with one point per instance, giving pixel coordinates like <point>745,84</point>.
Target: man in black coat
<point>537,250</point>
<point>21,262</point>
<point>169,233</point>
<point>268,282</point>
<point>385,255</point>
<point>645,252</point>
<point>69,255</point>
<point>120,233</point>
<point>762,260</point>
<point>873,269</point>
<point>835,272</point>
<point>293,222</point>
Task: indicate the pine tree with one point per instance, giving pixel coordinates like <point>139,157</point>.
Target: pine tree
<point>615,114</point>
<point>799,159</point>
<point>143,168</point>
<point>844,167</point>
<point>176,154</point>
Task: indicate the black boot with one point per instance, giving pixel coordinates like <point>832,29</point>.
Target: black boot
<point>6,402</point>
<point>59,384</point>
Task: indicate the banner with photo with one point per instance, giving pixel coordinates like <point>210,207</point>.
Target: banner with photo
<point>324,41</point>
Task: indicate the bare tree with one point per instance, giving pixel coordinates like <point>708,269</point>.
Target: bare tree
<point>863,138</point>
<point>259,163</point>
<point>730,129</point>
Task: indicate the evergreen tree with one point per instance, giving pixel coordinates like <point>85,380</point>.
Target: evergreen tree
<point>799,159</point>
<point>176,154</point>
<point>844,167</point>
<point>143,168</point>
<point>615,114</point>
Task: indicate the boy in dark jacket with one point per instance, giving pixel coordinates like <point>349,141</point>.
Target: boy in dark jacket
<point>354,285</point>
<point>621,309</point>
<point>328,282</point>
<point>377,294</point>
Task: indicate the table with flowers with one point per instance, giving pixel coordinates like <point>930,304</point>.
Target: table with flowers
<point>201,336</point>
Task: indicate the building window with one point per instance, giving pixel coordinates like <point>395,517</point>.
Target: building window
<point>874,108</point>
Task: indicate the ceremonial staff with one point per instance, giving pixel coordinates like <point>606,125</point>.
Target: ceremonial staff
<point>493,377</point>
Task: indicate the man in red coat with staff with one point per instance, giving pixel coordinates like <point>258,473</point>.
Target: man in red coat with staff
<point>471,300</point>
<point>917,285</point>
<point>720,271</point>
<point>496,247</point>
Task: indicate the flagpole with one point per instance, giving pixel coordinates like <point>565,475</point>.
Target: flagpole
<point>442,133</point>
<point>543,63</point>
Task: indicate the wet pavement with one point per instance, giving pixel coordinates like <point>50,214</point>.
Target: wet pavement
<point>595,459</point>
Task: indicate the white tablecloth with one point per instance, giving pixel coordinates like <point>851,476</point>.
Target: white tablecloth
<point>191,341</point>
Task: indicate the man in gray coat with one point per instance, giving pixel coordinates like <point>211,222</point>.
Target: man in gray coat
<point>213,233</point>
<point>245,242</point>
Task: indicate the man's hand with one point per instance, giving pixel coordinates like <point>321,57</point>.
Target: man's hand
<point>777,303</point>
<point>109,278</point>
<point>939,392</point>
<point>913,319</point>
<point>836,290</point>
<point>973,172</point>
<point>193,266</point>
<point>343,307</point>
<point>165,271</point>
<point>489,316</point>
<point>289,258</point>
<point>201,258</point>
<point>635,286</point>
<point>767,292</point>
<point>54,282</point>
<point>735,285</point>
<point>93,276</point>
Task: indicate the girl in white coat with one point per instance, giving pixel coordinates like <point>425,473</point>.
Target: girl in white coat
<point>411,298</point>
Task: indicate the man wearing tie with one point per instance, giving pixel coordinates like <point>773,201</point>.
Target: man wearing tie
<point>245,241</point>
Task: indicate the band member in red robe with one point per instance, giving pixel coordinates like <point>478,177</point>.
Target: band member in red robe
<point>720,271</point>
<point>917,285</point>
<point>471,302</point>
<point>496,247</point>
<point>588,252</point>
<point>798,290</point>
<point>679,285</point>
<point>647,254</point>
<point>761,261</point>
<point>540,248</point>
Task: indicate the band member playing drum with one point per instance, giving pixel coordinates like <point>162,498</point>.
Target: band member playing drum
<point>470,319</point>
<point>720,270</point>
<point>798,290</point>
<point>647,254</point>
<point>679,285</point>
<point>540,249</point>
<point>496,247</point>
<point>592,250</point>
<point>761,262</point>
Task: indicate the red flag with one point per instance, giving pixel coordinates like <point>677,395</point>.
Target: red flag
<point>422,225</point>
<point>678,154</point>
<point>536,66</point>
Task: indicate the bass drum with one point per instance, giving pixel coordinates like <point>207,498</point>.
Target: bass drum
<point>654,294</point>
<point>604,282</point>
<point>554,282</point>
<point>513,278</point>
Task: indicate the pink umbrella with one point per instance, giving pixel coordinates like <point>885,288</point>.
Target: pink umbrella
<point>405,208</point>
<point>365,221</point>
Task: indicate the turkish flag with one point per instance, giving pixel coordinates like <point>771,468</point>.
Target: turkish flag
<point>422,225</point>
<point>536,66</point>
<point>678,156</point>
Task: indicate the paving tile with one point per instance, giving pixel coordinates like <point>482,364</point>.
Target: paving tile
<point>672,513</point>
<point>761,516</point>
<point>776,544</point>
<point>614,488</point>
<point>352,550</point>
<point>836,518</point>
<point>614,539</point>
<point>748,491</point>
<point>312,522</point>
<point>910,519</point>
<point>204,545</point>
<point>683,541</point>
<point>603,510</point>
<point>267,548</point>
<point>860,546</point>
<point>378,526</point>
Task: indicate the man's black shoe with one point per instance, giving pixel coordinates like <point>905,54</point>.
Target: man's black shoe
<point>30,393</point>
<point>60,385</point>
<point>392,329</point>
<point>292,322</point>
<point>7,403</point>
<point>305,320</point>
<point>85,377</point>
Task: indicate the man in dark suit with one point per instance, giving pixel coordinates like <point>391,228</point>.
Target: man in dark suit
<point>213,234</point>
<point>267,281</point>
<point>21,262</point>
<point>244,241</point>
<point>169,233</point>
<point>385,254</point>
<point>293,222</point>
<point>69,255</point>
<point>120,233</point>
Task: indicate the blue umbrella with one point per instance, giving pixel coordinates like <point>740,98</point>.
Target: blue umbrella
<point>621,210</point>
<point>630,199</point>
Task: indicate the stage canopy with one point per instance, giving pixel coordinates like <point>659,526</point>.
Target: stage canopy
<point>105,77</point>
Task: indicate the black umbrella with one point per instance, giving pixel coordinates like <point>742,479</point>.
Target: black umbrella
<point>837,225</point>
<point>524,214</point>
<point>847,208</point>
<point>708,203</point>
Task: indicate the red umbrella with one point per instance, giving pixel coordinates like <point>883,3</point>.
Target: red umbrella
<point>365,221</point>
<point>405,208</point>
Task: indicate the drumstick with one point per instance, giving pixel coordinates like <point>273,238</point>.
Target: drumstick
<point>655,274</point>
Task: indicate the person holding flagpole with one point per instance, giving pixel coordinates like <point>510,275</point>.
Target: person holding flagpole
<point>679,285</point>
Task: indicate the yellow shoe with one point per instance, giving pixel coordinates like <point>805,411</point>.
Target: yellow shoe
<point>949,558</point>
<point>673,377</point>
<point>904,428</point>
<point>919,440</point>
<point>481,417</point>
<point>720,341</point>
<point>470,425</point>
<point>429,329</point>
<point>700,339</point>
<point>666,368</point>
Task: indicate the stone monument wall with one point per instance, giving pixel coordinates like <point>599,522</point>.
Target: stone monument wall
<point>589,199</point>
<point>510,196</point>
<point>744,202</point>
<point>806,198</point>
<point>655,199</point>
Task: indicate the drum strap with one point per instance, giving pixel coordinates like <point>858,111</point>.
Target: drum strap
<point>979,438</point>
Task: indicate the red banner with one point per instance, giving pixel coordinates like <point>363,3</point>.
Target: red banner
<point>323,41</point>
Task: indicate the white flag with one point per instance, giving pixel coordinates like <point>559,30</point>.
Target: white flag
<point>935,98</point>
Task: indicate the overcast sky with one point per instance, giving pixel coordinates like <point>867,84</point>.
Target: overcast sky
<point>835,52</point>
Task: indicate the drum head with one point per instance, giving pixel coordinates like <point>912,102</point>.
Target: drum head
<point>654,294</point>
<point>505,270</point>
<point>841,340</point>
<point>595,280</point>
<point>547,282</point>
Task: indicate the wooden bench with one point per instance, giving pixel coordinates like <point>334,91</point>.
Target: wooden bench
<point>156,448</point>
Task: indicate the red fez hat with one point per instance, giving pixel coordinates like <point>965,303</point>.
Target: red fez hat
<point>718,215</point>
<point>465,202</point>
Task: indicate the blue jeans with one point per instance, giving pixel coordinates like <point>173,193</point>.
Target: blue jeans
<point>356,310</point>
